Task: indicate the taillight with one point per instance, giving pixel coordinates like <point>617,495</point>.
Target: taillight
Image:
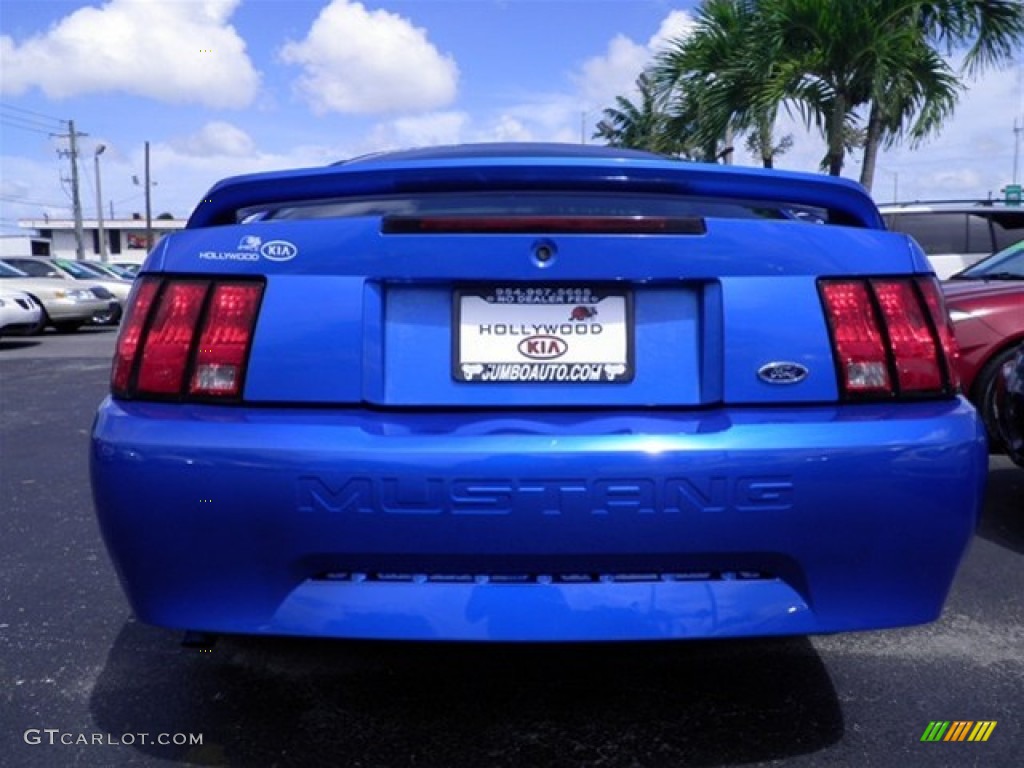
<point>864,366</point>
<point>139,304</point>
<point>889,337</point>
<point>166,346</point>
<point>944,325</point>
<point>186,337</point>
<point>911,337</point>
<point>224,342</point>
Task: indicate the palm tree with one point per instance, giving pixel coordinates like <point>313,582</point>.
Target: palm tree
<point>638,126</point>
<point>826,51</point>
<point>712,80</point>
<point>909,99</point>
<point>628,124</point>
<point>881,54</point>
<point>921,89</point>
<point>831,59</point>
<point>760,142</point>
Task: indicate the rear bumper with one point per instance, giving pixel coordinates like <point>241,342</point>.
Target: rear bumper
<point>61,311</point>
<point>537,526</point>
<point>111,314</point>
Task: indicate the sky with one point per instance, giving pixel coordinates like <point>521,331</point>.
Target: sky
<point>225,87</point>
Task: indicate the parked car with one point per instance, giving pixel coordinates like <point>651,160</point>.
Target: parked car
<point>69,269</point>
<point>129,270</point>
<point>66,305</point>
<point>986,303</point>
<point>957,234</point>
<point>116,271</point>
<point>536,393</point>
<point>1011,412</point>
<point>19,313</point>
<point>100,269</point>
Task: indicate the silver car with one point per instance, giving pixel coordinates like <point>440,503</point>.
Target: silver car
<point>105,287</point>
<point>65,305</point>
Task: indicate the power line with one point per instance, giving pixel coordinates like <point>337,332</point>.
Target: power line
<point>37,114</point>
<point>25,201</point>
<point>6,111</point>
<point>29,119</point>
<point>7,121</point>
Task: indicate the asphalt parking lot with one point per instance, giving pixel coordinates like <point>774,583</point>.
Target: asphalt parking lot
<point>74,663</point>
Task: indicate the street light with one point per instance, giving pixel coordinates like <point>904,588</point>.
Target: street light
<point>100,148</point>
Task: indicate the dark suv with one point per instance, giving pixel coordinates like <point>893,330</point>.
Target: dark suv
<point>956,234</point>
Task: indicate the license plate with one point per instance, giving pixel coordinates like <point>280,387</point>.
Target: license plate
<point>569,334</point>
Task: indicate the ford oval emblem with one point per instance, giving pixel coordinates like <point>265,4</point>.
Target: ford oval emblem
<point>279,250</point>
<point>782,373</point>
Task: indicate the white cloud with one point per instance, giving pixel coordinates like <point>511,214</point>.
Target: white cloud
<point>445,128</point>
<point>678,24</point>
<point>614,73</point>
<point>508,128</point>
<point>605,77</point>
<point>360,61</point>
<point>181,176</point>
<point>972,157</point>
<point>418,131</point>
<point>177,52</point>
<point>185,167</point>
<point>544,117</point>
<point>215,139</point>
<point>29,188</point>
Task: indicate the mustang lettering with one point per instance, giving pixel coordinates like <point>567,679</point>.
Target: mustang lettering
<point>545,496</point>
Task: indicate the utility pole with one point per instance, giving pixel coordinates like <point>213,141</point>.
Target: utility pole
<point>149,209</point>
<point>99,204</point>
<point>76,201</point>
<point>1017,130</point>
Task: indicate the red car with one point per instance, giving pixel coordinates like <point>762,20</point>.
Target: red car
<point>986,303</point>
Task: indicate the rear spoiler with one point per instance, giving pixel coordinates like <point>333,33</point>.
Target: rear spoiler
<point>846,201</point>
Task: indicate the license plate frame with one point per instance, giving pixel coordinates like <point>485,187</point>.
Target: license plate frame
<point>578,333</point>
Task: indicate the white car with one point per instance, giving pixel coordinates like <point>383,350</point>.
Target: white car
<point>65,305</point>
<point>19,312</point>
<point>955,235</point>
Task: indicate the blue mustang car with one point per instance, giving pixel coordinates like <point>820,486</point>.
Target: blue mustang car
<point>536,393</point>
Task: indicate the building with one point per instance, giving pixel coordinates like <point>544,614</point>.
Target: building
<point>126,238</point>
<point>23,245</point>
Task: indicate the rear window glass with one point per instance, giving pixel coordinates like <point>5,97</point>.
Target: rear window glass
<point>34,268</point>
<point>979,234</point>
<point>77,270</point>
<point>518,203</point>
<point>8,271</point>
<point>1008,228</point>
<point>961,232</point>
<point>934,232</point>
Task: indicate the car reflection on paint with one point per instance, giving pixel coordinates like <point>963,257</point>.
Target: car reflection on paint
<point>1011,407</point>
<point>986,304</point>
